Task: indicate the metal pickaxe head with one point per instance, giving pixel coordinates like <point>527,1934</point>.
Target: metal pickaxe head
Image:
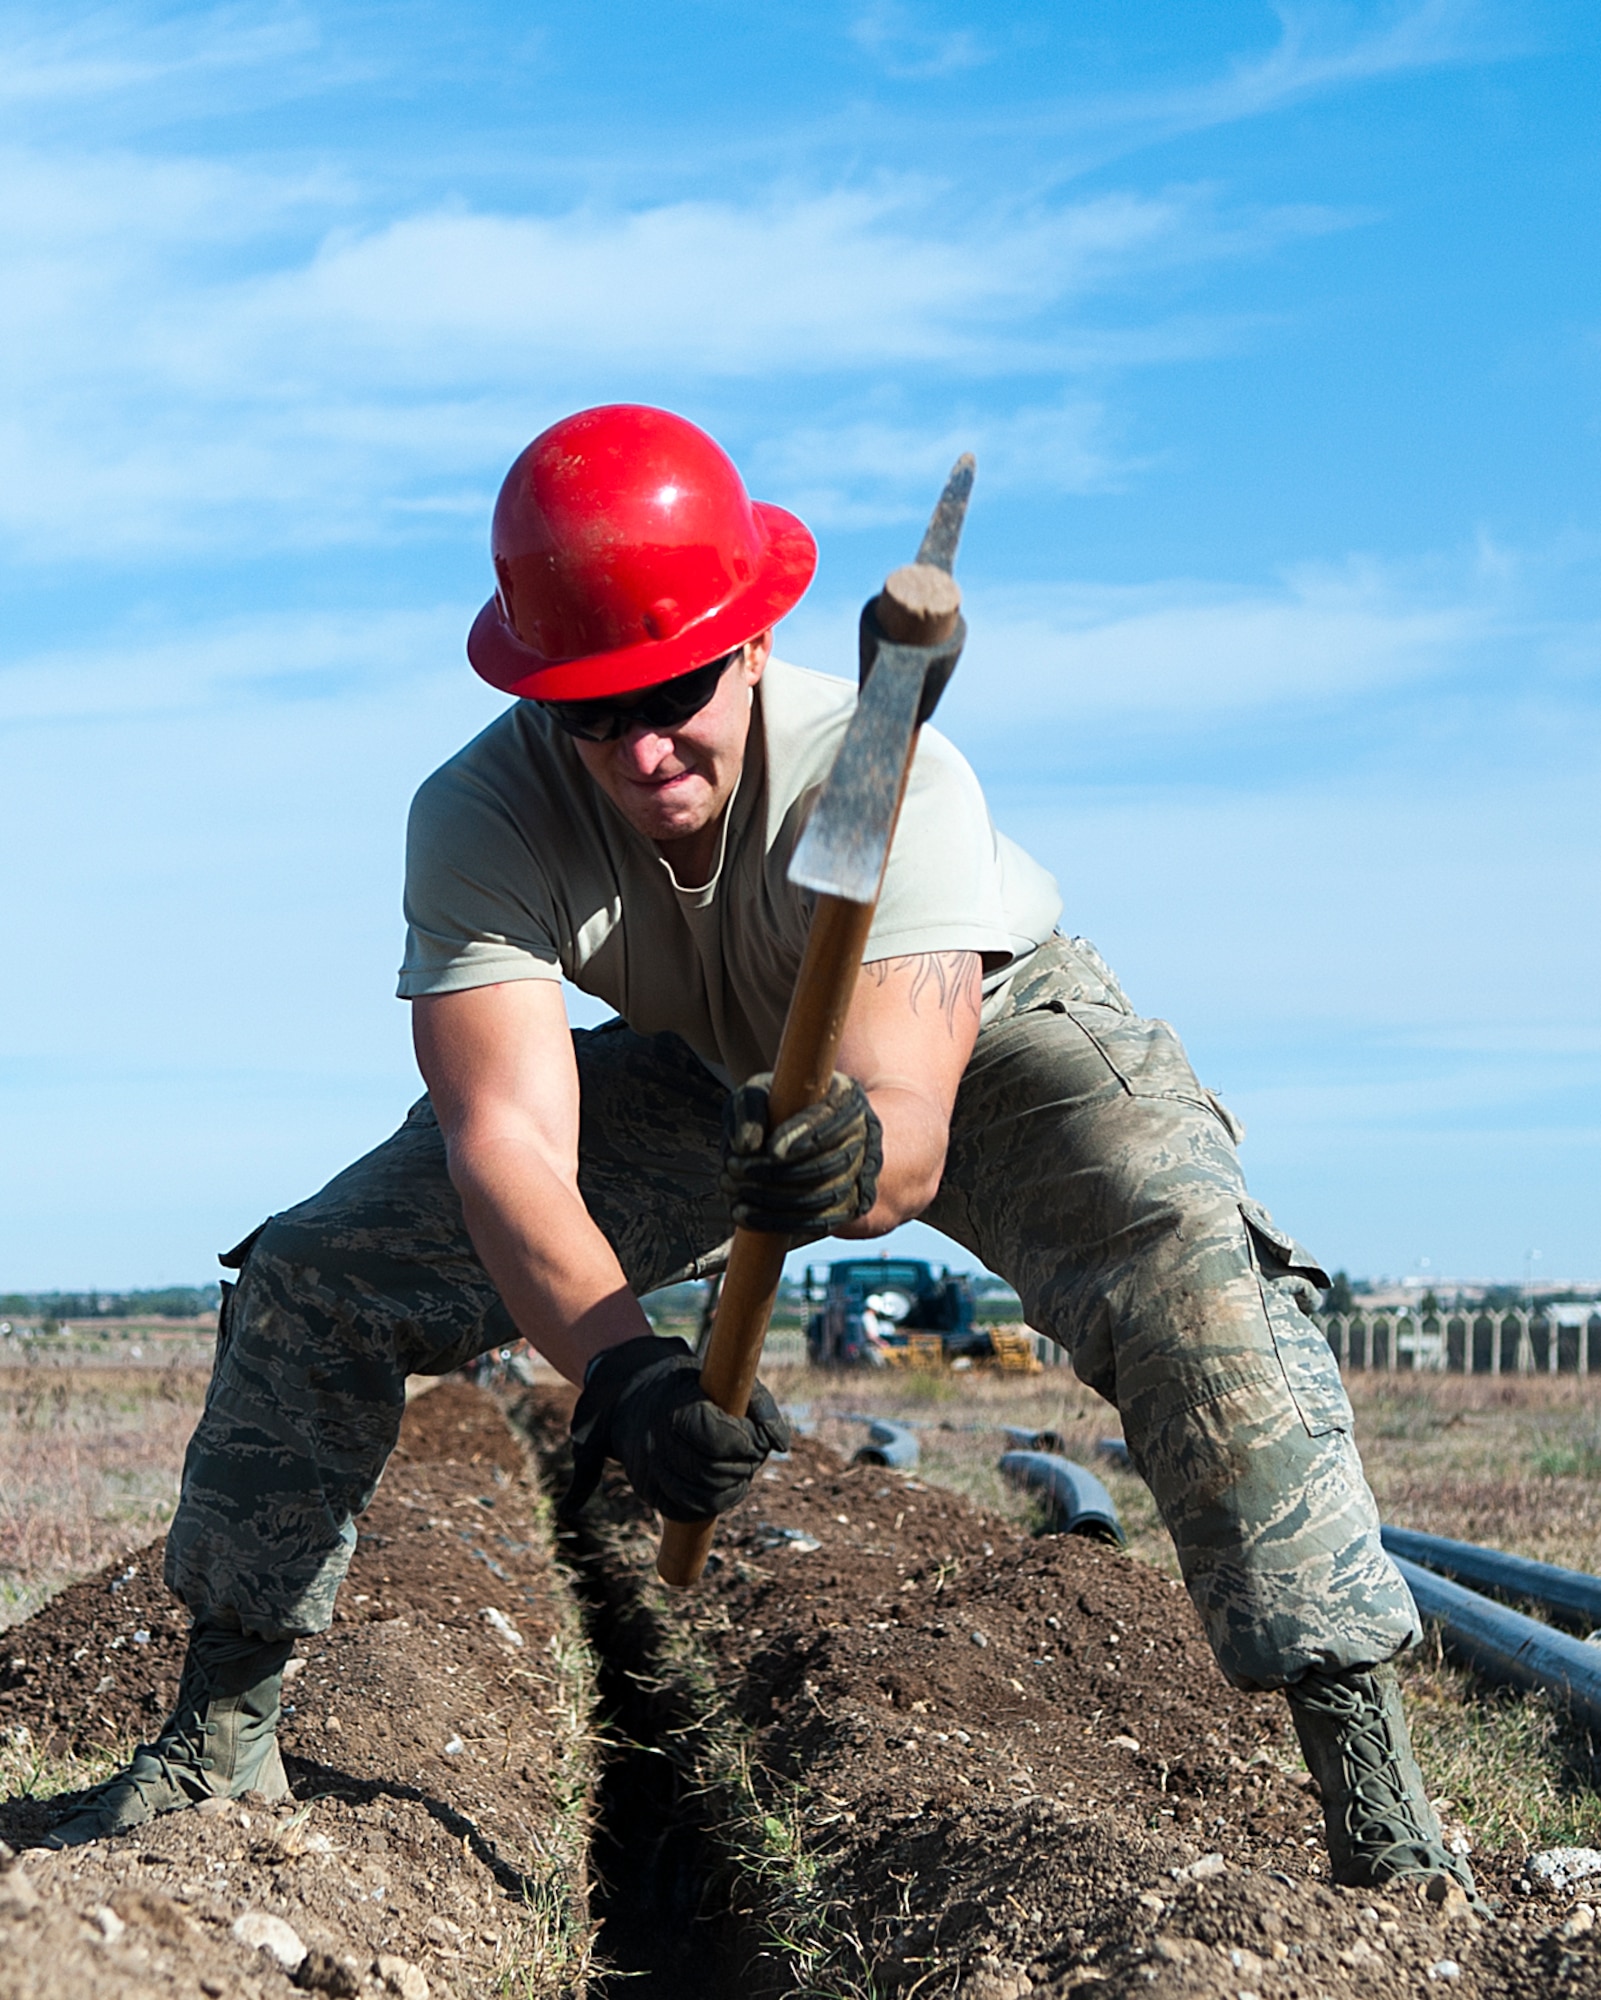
<point>912,635</point>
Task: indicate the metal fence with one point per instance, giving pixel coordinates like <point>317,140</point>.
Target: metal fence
<point>1470,1342</point>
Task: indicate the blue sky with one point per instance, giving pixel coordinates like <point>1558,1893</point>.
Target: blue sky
<point>1276,331</point>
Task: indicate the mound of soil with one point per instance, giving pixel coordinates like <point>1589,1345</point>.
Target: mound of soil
<point>438,1758</point>
<point>952,1759</point>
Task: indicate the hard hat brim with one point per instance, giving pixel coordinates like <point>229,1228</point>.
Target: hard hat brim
<point>789,563</point>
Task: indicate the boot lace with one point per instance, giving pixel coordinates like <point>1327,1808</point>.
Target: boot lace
<point>1380,1818</point>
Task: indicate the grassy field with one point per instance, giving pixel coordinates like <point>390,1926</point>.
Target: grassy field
<point>90,1451</point>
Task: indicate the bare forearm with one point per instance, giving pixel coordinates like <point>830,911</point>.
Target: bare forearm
<point>909,1035</point>
<point>559,1277</point>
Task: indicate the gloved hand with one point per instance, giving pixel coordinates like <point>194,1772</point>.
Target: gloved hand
<point>643,1405</point>
<point>819,1169</point>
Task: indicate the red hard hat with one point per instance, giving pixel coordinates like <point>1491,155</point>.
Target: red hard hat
<point>627,551</point>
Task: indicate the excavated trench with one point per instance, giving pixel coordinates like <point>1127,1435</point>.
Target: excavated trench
<point>660,1875</point>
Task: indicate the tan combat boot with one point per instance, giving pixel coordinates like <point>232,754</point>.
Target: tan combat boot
<point>1380,1825</point>
<point>219,1742</point>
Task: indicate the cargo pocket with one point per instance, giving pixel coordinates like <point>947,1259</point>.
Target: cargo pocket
<point>1291,1279</point>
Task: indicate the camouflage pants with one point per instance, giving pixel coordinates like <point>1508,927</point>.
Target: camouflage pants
<point>1087,1166</point>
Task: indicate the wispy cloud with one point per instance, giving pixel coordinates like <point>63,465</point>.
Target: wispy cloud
<point>1180,650</point>
<point>1318,50</point>
<point>236,664</point>
<point>187,346</point>
<point>1046,661</point>
<point>904,45</point>
<point>112,51</point>
<point>860,473</point>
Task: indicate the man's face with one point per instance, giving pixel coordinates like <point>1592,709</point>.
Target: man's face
<point>672,785</point>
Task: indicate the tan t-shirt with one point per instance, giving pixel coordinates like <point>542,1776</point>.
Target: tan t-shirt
<point>519,867</point>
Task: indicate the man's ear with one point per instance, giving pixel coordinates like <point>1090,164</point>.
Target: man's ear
<point>758,652</point>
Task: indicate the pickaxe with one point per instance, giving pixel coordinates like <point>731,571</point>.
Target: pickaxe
<point>911,639</point>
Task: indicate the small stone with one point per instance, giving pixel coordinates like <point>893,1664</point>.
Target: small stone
<point>215,1808</point>
<point>995,1984</point>
<point>1582,1920</point>
<point>1125,1743</point>
<point>454,1747</point>
<point>1560,1867</point>
<point>213,1986</point>
<point>1148,1899</point>
<point>978,1638</point>
<point>111,1925</point>
<point>400,1976</point>
<point>272,1935</point>
<point>1448,1897</point>
<point>501,1625</point>
<point>1445,1968</point>
<point>1205,1870</point>
<point>333,1723</point>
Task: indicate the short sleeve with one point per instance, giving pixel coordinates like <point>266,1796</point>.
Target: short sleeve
<point>953,882</point>
<point>478,905</point>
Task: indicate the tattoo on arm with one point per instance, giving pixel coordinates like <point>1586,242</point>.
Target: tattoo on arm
<point>951,980</point>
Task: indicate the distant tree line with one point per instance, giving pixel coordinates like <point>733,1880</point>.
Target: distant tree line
<point>165,1302</point>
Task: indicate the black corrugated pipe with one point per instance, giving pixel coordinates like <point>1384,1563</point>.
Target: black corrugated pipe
<point>1568,1592</point>
<point>1506,1646</point>
<point>888,1444</point>
<point>1079,1503</point>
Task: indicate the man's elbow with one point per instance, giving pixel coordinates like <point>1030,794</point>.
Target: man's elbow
<point>486,1156</point>
<point>901,1197</point>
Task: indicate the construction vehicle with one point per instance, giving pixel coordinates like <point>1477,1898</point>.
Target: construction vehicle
<point>898,1312</point>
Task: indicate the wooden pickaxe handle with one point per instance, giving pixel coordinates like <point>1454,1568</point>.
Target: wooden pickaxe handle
<point>917,606</point>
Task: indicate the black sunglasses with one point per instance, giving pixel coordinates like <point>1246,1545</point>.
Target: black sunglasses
<point>668,706</point>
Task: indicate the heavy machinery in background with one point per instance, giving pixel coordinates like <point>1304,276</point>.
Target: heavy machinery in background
<point>898,1312</point>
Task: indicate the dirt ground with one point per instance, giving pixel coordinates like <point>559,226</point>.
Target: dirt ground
<point>441,1768</point>
<point>893,1746</point>
<point>949,1758</point>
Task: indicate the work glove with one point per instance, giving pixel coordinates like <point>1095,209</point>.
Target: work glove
<point>643,1405</point>
<point>819,1169</point>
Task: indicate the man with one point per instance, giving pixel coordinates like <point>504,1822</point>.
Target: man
<point>629,823</point>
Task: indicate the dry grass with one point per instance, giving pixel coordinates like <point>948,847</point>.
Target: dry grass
<point>89,1463</point>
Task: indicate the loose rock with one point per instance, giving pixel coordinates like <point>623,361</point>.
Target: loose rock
<point>1561,1867</point>
<point>272,1935</point>
<point>400,1976</point>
